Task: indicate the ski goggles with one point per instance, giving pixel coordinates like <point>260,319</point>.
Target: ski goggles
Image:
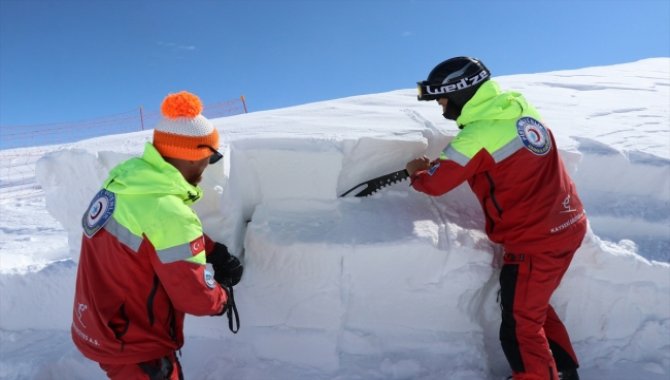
<point>429,92</point>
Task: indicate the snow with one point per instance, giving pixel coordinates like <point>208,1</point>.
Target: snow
<point>394,286</point>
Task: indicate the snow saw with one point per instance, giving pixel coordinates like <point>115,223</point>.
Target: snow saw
<point>370,186</point>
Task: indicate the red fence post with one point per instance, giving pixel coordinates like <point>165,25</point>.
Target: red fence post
<point>244,103</point>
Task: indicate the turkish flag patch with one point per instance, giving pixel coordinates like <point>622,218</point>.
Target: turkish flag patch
<point>197,245</point>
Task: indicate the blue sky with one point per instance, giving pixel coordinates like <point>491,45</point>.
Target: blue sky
<point>63,61</point>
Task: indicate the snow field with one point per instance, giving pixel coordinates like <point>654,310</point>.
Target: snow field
<point>394,286</point>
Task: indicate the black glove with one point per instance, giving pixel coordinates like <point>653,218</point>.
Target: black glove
<point>227,268</point>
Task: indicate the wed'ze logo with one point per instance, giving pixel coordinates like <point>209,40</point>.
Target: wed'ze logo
<point>460,85</point>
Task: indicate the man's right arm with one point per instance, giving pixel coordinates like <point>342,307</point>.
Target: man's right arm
<point>446,173</point>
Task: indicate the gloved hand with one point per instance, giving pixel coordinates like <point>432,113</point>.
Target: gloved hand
<point>227,268</point>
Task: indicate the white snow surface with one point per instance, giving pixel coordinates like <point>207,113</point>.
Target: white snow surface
<point>398,285</point>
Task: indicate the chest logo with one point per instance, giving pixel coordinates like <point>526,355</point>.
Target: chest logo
<point>98,213</point>
<point>533,135</point>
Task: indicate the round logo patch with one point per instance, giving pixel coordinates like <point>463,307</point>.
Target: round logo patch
<point>534,135</point>
<point>99,212</point>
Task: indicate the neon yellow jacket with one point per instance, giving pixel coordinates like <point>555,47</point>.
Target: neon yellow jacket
<point>511,162</point>
<point>142,264</point>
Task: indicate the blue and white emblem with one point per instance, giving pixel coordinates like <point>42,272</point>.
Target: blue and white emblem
<point>209,279</point>
<point>433,168</point>
<point>533,135</point>
<point>99,212</point>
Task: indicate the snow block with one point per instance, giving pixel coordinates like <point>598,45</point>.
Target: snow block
<point>69,187</point>
<point>308,266</point>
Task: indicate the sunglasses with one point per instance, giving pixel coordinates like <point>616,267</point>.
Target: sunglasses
<point>215,157</point>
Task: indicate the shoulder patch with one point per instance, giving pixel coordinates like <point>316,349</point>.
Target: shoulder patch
<point>534,135</point>
<point>98,213</point>
<point>197,245</point>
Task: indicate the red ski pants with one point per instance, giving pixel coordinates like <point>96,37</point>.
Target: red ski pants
<point>166,368</point>
<point>533,338</point>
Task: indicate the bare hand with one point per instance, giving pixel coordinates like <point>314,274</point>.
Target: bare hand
<point>417,164</point>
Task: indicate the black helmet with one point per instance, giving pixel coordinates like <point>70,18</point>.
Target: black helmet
<point>456,79</point>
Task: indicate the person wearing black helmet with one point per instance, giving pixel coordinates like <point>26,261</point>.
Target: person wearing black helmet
<point>510,160</point>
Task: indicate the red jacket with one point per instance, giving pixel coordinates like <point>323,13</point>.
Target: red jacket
<point>129,307</point>
<point>511,163</point>
<point>131,298</point>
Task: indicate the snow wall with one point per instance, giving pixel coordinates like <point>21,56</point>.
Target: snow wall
<point>330,280</point>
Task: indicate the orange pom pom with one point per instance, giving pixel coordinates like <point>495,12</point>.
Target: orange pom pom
<point>181,104</point>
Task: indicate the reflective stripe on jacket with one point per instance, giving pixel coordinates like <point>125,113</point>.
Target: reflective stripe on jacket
<point>511,163</point>
<point>142,264</point>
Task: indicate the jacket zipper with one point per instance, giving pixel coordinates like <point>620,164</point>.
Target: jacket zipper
<point>494,201</point>
<point>150,300</point>
<point>492,189</point>
<point>119,333</point>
